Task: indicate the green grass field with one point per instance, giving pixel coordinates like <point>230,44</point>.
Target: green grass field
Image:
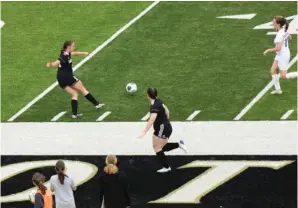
<point>196,61</point>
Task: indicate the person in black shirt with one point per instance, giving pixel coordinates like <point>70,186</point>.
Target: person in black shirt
<point>68,81</point>
<point>113,187</point>
<point>159,118</point>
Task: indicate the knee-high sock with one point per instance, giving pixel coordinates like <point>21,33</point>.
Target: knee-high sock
<point>275,79</point>
<point>91,99</point>
<point>74,107</point>
<point>162,159</point>
<point>170,146</point>
<point>292,75</point>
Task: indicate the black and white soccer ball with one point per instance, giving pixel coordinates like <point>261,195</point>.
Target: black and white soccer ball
<point>131,87</point>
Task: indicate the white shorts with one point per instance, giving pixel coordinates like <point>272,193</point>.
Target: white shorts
<point>282,62</point>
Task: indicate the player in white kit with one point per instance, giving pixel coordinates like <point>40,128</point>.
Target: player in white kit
<point>282,58</point>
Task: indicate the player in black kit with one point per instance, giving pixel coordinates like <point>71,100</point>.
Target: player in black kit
<point>68,81</point>
<point>159,118</point>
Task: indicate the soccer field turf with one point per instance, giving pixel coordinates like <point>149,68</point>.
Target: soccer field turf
<point>195,60</point>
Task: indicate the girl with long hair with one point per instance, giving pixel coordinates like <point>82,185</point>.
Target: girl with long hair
<point>282,57</point>
<point>113,186</point>
<point>63,185</point>
<point>43,197</point>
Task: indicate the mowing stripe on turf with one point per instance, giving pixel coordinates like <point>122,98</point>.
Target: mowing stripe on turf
<point>146,117</point>
<point>59,115</point>
<point>105,114</point>
<point>99,48</point>
<point>287,114</point>
<point>261,94</point>
<point>193,115</point>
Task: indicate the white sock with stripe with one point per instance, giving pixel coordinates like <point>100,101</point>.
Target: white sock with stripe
<point>275,79</point>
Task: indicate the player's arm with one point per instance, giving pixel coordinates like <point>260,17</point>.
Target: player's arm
<point>73,185</point>
<point>275,49</point>
<point>77,53</point>
<point>53,64</point>
<point>167,111</point>
<point>149,124</point>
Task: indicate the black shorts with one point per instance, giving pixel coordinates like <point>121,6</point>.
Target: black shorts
<point>163,131</point>
<point>65,81</point>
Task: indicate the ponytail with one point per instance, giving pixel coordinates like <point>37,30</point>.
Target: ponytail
<point>281,20</point>
<point>152,93</point>
<point>66,44</point>
<point>111,167</point>
<point>60,167</point>
<point>286,26</point>
<point>38,179</point>
<point>61,176</point>
<point>42,188</point>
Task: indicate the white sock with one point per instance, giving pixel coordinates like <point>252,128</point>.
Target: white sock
<point>275,79</point>
<point>292,75</point>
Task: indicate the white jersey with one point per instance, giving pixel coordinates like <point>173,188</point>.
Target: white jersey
<point>63,193</point>
<point>282,37</point>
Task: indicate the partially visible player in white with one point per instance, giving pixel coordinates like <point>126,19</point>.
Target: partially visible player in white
<point>282,58</point>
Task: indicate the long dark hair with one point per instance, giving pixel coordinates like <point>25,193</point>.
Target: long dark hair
<point>66,44</point>
<point>152,93</point>
<point>281,20</point>
<point>60,168</point>
<point>38,179</point>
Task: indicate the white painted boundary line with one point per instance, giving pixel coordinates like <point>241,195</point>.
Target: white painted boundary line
<point>85,138</point>
<point>261,94</point>
<point>105,114</point>
<point>2,23</point>
<point>59,115</point>
<point>193,115</point>
<point>146,117</point>
<point>287,114</point>
<point>99,48</point>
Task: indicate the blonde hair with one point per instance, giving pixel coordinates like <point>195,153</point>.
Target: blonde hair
<point>111,161</point>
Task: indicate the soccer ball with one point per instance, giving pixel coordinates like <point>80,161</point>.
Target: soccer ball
<point>131,87</point>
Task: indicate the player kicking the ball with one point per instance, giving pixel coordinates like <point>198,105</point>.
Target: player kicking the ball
<point>282,58</point>
<point>68,81</point>
<point>159,118</point>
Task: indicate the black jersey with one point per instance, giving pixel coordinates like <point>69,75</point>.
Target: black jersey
<point>157,107</point>
<point>65,66</point>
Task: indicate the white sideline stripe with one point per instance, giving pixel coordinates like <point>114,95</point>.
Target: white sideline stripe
<point>146,117</point>
<point>100,118</point>
<point>59,115</point>
<point>193,115</point>
<point>287,114</point>
<point>119,138</point>
<point>2,23</point>
<point>99,48</point>
<point>260,95</point>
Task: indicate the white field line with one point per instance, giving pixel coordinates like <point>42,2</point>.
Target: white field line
<point>103,116</point>
<point>287,114</point>
<point>261,94</point>
<point>85,138</point>
<point>59,115</point>
<point>146,117</point>
<point>99,48</point>
<point>193,115</point>
<point>2,23</point>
